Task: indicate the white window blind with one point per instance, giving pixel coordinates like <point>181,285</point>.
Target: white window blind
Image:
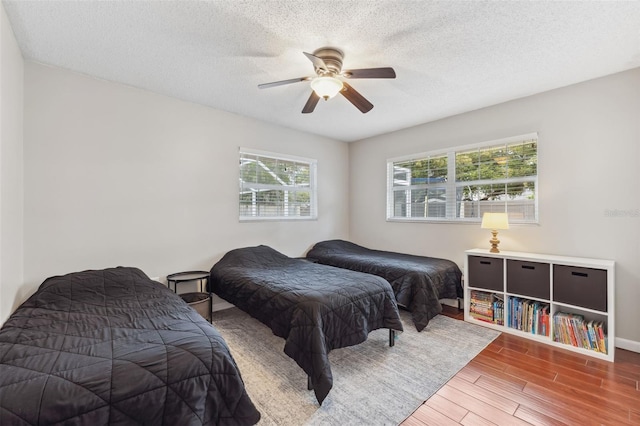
<point>463,183</point>
<point>276,186</point>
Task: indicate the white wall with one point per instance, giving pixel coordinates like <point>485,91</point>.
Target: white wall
<point>119,176</point>
<point>589,156</point>
<point>11,160</point>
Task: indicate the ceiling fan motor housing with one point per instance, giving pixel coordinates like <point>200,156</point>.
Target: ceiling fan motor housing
<point>327,63</point>
<point>332,58</point>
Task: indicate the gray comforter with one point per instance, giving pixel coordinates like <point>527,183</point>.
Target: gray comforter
<point>418,282</point>
<point>114,347</point>
<point>315,308</point>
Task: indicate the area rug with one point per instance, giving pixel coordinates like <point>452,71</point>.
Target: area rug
<point>373,384</point>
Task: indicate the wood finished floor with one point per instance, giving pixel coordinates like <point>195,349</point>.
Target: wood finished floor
<point>515,381</point>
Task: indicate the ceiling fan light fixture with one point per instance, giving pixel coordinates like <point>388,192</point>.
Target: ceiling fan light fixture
<point>326,86</point>
<point>327,63</point>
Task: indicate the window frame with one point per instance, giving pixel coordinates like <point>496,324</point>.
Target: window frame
<point>451,185</point>
<point>311,189</point>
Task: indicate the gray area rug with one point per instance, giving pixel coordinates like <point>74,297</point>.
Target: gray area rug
<point>373,384</point>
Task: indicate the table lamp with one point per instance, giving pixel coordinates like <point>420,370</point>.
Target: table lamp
<point>495,221</point>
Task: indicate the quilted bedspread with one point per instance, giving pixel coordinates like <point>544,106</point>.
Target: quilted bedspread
<point>315,308</point>
<point>418,282</point>
<point>114,347</point>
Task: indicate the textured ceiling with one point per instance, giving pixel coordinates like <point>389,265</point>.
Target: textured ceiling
<point>450,57</point>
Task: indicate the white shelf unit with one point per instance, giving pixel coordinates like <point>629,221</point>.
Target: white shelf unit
<point>575,285</point>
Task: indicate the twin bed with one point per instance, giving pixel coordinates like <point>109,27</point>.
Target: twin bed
<point>315,308</point>
<point>112,346</point>
<point>418,282</point>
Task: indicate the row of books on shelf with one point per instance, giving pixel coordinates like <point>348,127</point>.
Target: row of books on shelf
<point>572,329</point>
<point>529,316</point>
<point>486,307</point>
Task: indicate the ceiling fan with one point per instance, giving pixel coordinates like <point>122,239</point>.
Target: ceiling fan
<point>329,79</point>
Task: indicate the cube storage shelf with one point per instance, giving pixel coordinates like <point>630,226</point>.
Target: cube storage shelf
<point>562,301</point>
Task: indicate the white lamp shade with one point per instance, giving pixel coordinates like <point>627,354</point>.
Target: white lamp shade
<point>326,87</point>
<point>495,221</point>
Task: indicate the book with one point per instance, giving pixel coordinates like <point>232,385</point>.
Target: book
<point>486,306</point>
<point>602,338</point>
<point>593,342</point>
<point>574,330</point>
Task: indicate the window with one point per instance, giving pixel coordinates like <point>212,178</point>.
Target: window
<point>275,186</point>
<point>463,183</point>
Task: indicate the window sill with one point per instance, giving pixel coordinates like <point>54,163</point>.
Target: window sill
<point>277,219</point>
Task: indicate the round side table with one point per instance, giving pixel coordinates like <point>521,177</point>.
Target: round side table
<point>182,277</point>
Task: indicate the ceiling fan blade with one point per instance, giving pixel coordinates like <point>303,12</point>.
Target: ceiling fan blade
<point>311,103</point>
<point>318,63</point>
<point>386,72</point>
<point>283,82</point>
<point>356,98</point>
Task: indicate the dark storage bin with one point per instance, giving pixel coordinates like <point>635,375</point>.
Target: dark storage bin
<point>585,287</point>
<point>486,272</point>
<point>201,302</point>
<point>529,279</point>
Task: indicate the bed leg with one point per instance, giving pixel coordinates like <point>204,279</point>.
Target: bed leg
<point>392,337</point>
<point>309,385</point>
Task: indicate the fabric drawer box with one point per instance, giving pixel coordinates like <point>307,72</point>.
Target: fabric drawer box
<point>585,287</point>
<point>201,302</point>
<point>486,272</point>
<point>529,279</point>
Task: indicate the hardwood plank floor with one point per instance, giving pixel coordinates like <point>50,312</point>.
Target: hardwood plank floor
<point>515,381</point>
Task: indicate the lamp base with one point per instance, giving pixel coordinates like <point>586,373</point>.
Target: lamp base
<point>494,242</point>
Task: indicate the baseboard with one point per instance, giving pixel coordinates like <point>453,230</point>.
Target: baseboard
<point>451,302</point>
<point>630,345</point>
<point>221,305</point>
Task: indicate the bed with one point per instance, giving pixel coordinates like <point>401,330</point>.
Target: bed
<point>315,308</point>
<point>114,347</point>
<point>418,282</point>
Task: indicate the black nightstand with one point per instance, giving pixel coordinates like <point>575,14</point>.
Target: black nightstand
<point>202,302</point>
<point>182,277</point>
